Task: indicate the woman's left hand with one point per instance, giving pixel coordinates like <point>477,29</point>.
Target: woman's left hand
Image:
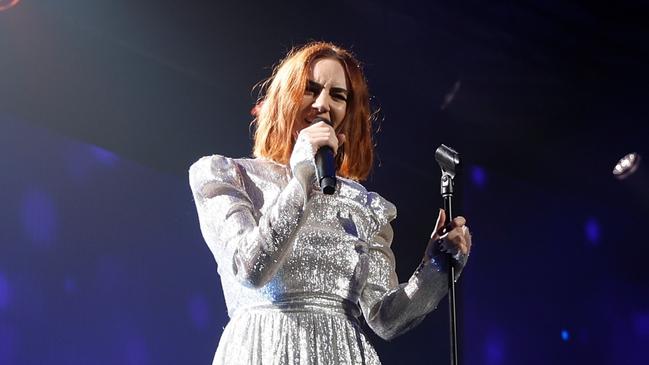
<point>456,241</point>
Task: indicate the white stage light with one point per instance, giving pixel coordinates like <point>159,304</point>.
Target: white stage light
<point>626,166</point>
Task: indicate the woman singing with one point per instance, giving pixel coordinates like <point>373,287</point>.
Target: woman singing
<point>298,267</point>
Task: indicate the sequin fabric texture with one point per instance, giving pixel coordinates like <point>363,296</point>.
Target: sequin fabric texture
<point>299,267</point>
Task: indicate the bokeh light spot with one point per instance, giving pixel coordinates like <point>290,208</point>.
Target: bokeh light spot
<point>592,231</point>
<point>478,176</point>
<point>495,348</point>
<point>565,335</point>
<point>70,285</point>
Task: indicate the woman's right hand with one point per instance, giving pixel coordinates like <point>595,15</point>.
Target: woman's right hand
<point>322,134</point>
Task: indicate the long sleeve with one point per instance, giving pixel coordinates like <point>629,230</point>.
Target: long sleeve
<point>390,308</point>
<point>251,244</point>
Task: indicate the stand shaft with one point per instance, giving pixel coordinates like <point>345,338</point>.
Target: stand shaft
<point>448,207</point>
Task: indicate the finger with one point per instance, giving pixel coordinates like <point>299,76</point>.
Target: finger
<point>333,143</point>
<point>463,250</point>
<point>439,224</point>
<point>454,234</point>
<point>320,138</point>
<point>458,242</point>
<point>318,128</point>
<point>322,125</point>
<point>459,221</point>
<point>464,247</point>
<point>465,240</point>
<point>315,129</point>
<point>341,139</point>
<point>441,219</point>
<point>321,131</point>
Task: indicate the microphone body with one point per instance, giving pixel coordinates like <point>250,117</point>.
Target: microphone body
<point>325,164</point>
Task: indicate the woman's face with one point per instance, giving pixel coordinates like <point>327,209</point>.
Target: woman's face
<point>325,95</point>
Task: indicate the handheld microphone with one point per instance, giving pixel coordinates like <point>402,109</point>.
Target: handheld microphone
<point>325,164</point>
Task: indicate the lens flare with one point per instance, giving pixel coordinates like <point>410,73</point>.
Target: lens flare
<point>6,4</point>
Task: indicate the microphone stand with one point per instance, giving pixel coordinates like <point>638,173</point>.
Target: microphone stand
<point>449,160</point>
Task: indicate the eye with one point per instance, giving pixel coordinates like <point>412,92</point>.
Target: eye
<point>340,96</point>
<point>312,89</point>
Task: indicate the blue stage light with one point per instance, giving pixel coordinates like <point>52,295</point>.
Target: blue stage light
<point>478,176</point>
<point>495,349</point>
<point>592,231</point>
<point>565,335</point>
<point>70,285</point>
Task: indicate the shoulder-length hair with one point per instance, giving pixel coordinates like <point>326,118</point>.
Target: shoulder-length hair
<point>279,105</point>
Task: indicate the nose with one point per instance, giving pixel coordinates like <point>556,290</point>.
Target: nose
<point>321,103</point>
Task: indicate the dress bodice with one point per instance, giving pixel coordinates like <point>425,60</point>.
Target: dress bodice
<point>329,248</point>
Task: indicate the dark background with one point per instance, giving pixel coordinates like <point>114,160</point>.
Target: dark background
<point>105,104</point>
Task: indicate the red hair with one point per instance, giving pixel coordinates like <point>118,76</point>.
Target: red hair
<point>277,110</point>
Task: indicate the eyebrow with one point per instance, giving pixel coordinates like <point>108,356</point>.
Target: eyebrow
<point>334,89</point>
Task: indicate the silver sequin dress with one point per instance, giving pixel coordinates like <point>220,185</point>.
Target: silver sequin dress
<point>298,267</point>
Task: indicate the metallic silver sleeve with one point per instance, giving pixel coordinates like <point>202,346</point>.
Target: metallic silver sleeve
<point>254,245</point>
<point>390,308</point>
